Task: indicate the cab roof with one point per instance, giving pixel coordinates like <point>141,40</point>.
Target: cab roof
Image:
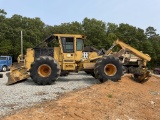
<point>70,35</point>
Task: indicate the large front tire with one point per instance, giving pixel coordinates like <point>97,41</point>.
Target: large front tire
<point>108,68</point>
<point>44,70</point>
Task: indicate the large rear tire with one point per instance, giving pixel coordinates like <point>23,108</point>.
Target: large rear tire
<point>108,68</point>
<point>44,70</point>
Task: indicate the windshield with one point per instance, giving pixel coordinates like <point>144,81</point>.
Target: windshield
<point>2,58</point>
<point>68,44</point>
<point>79,44</point>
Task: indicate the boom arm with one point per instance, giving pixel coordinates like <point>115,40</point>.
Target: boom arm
<point>133,50</point>
<point>141,74</point>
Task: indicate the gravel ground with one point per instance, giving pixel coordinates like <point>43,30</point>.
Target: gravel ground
<point>27,93</point>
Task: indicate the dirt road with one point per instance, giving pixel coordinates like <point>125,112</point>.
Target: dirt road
<point>123,100</point>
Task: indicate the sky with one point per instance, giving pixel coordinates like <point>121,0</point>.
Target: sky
<point>138,13</point>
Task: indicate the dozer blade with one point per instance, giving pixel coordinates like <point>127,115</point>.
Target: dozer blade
<point>16,75</point>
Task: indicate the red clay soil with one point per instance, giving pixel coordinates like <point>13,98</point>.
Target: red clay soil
<point>123,100</point>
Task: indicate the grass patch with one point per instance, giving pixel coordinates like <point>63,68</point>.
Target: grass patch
<point>109,95</point>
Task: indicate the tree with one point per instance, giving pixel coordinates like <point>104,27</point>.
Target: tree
<point>11,28</point>
<point>111,29</point>
<point>99,34</point>
<point>151,32</point>
<point>95,30</point>
<point>2,15</point>
<point>3,30</point>
<point>131,35</point>
<point>156,51</point>
<point>64,28</point>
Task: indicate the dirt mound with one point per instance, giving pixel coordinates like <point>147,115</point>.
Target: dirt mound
<point>123,100</point>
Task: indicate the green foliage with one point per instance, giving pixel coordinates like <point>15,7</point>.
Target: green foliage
<point>111,36</point>
<point>99,34</point>
<point>10,33</point>
<point>65,28</point>
<point>151,32</point>
<point>109,95</point>
<point>95,30</point>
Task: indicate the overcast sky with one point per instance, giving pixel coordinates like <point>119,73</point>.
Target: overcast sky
<point>139,13</point>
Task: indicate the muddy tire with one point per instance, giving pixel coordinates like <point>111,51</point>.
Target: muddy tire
<point>45,70</point>
<point>125,69</point>
<point>108,68</point>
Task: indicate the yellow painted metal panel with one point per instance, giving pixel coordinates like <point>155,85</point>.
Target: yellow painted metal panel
<point>133,50</point>
<point>29,58</point>
<point>88,65</point>
<point>67,66</point>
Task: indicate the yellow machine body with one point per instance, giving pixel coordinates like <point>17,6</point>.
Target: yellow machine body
<point>68,56</point>
<point>68,61</point>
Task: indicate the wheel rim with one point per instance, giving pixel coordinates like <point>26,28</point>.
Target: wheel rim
<point>44,70</point>
<point>4,68</point>
<point>110,69</point>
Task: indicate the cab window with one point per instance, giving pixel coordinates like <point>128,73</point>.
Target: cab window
<point>68,44</point>
<point>79,44</point>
